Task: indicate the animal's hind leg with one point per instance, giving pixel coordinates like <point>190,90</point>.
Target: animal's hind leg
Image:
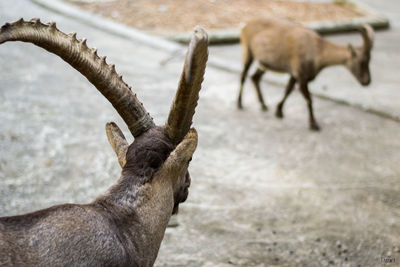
<point>247,60</point>
<point>242,79</point>
<point>288,90</point>
<point>256,77</point>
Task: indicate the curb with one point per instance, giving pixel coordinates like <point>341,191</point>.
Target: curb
<point>175,49</point>
<point>376,20</point>
<point>107,25</point>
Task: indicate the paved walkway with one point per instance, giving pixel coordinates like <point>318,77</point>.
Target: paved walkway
<point>264,191</point>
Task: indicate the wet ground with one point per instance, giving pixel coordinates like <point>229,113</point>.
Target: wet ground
<point>264,191</point>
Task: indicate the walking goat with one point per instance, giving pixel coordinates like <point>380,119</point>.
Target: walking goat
<point>125,225</point>
<point>284,46</point>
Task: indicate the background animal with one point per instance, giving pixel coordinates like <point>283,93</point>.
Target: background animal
<point>284,46</point>
<point>125,225</point>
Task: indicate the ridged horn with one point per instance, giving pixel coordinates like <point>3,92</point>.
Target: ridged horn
<point>187,95</point>
<point>367,34</point>
<point>88,63</point>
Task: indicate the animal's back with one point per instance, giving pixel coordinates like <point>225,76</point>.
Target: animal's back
<point>278,44</point>
<point>60,236</point>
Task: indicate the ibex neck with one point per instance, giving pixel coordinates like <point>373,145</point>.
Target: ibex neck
<point>333,54</point>
<point>141,213</point>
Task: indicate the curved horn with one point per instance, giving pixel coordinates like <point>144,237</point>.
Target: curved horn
<point>185,101</point>
<point>367,34</point>
<point>88,63</point>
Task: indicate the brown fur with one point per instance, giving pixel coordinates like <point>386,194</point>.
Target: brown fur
<point>284,46</point>
<point>105,232</point>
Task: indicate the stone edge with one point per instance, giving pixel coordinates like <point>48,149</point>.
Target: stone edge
<point>376,20</point>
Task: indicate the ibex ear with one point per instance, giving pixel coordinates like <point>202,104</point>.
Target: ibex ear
<point>352,50</point>
<point>117,141</point>
<point>367,34</point>
<point>180,157</point>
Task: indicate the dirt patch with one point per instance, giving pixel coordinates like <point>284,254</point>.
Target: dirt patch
<point>175,16</point>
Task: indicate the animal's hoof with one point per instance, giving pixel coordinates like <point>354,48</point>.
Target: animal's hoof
<point>314,127</point>
<point>239,106</point>
<point>279,114</point>
<point>264,108</point>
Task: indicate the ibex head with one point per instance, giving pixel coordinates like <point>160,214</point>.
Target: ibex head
<point>153,156</point>
<point>358,63</point>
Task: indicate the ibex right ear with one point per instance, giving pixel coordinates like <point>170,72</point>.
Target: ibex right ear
<point>117,141</point>
<point>180,157</point>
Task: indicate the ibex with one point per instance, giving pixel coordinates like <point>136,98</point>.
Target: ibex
<point>125,225</point>
<point>283,46</point>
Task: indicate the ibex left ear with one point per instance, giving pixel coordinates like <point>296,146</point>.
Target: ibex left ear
<point>182,154</point>
<point>117,141</point>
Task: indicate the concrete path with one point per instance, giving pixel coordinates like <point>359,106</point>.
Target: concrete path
<point>264,191</point>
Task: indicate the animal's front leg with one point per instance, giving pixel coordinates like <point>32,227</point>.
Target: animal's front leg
<point>289,89</point>
<point>304,90</point>
<point>256,77</point>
